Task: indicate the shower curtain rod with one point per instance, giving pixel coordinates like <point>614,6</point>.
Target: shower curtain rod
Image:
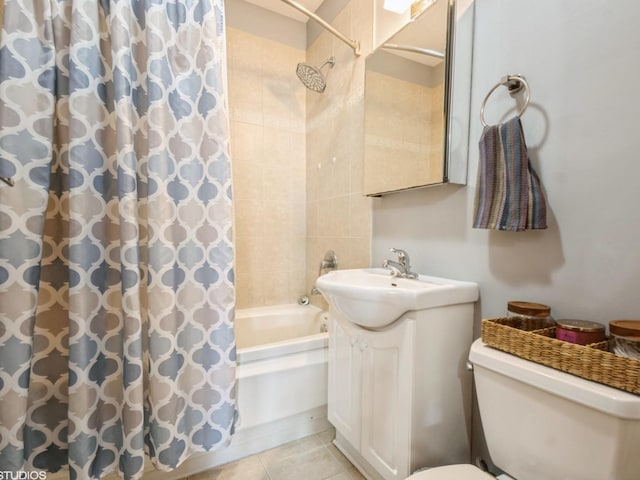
<point>354,44</point>
<point>410,48</point>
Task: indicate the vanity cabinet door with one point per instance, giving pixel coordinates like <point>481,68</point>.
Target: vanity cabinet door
<point>345,371</point>
<point>387,373</point>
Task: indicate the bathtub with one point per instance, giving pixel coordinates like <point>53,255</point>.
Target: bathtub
<point>281,389</point>
<point>270,332</point>
<point>282,362</point>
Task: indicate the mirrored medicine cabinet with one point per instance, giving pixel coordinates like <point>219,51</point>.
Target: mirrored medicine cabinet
<point>416,102</point>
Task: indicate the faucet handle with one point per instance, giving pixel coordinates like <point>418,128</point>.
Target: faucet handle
<point>403,256</point>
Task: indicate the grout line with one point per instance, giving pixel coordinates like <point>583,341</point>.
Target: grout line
<point>264,467</point>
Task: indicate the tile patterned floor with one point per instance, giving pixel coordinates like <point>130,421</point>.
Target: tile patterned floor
<point>310,458</point>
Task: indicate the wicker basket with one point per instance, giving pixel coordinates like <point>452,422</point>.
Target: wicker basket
<point>529,339</point>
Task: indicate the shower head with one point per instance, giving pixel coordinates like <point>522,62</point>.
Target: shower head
<point>312,77</point>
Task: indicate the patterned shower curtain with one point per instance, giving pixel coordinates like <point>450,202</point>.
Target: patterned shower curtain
<point>116,280</point>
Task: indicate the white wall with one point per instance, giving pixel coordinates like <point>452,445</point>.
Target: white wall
<point>582,128</point>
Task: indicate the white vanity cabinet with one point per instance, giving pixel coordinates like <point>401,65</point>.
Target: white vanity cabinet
<point>400,396</point>
<point>369,371</point>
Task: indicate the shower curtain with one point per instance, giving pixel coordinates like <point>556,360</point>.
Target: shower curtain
<point>116,279</point>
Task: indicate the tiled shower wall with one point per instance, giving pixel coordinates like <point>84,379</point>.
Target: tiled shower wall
<point>297,159</point>
<point>267,106</point>
<point>338,215</point>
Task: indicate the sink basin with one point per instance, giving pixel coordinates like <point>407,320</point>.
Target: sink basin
<point>372,298</point>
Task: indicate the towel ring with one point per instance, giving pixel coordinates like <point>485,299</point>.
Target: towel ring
<point>514,84</point>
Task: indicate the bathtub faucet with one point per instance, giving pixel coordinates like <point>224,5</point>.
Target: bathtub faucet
<point>329,262</point>
<point>401,268</point>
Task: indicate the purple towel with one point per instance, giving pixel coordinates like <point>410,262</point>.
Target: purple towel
<point>509,195</point>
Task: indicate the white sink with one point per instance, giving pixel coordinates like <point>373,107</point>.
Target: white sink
<point>372,298</point>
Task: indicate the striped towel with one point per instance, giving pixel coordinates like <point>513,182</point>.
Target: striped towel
<point>509,195</point>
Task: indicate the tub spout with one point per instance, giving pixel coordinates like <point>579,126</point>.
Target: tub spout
<point>303,300</point>
<point>329,262</point>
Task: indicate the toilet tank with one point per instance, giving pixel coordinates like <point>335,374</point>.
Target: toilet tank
<point>540,423</point>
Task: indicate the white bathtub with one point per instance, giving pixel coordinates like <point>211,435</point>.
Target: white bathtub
<point>282,362</point>
<point>269,332</point>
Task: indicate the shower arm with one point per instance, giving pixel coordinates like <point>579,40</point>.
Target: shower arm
<point>410,48</point>
<point>354,44</point>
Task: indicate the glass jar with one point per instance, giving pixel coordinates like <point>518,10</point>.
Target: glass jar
<point>581,332</point>
<point>625,338</point>
<point>535,315</point>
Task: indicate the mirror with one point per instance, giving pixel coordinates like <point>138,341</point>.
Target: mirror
<point>416,130</point>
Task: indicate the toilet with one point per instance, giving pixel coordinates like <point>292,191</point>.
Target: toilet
<point>544,424</point>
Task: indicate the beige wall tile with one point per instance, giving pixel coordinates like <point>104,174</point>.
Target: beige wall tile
<point>246,140</point>
<point>339,217</point>
<point>297,159</point>
<point>249,290</point>
<point>267,139</point>
<point>247,179</point>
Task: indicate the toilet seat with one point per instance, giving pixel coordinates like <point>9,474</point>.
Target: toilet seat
<point>452,472</point>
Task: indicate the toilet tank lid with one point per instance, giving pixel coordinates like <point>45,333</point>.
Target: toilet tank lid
<point>591,394</point>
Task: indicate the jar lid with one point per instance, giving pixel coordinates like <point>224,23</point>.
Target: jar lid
<point>580,325</point>
<point>625,328</point>
<point>529,308</point>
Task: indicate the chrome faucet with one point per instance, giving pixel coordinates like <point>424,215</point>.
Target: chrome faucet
<point>329,262</point>
<point>401,268</point>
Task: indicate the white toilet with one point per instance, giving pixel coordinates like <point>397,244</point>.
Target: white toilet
<point>543,424</point>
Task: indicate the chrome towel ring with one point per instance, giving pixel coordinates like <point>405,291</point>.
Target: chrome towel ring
<point>514,84</point>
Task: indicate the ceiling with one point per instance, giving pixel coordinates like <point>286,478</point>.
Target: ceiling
<point>278,6</point>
